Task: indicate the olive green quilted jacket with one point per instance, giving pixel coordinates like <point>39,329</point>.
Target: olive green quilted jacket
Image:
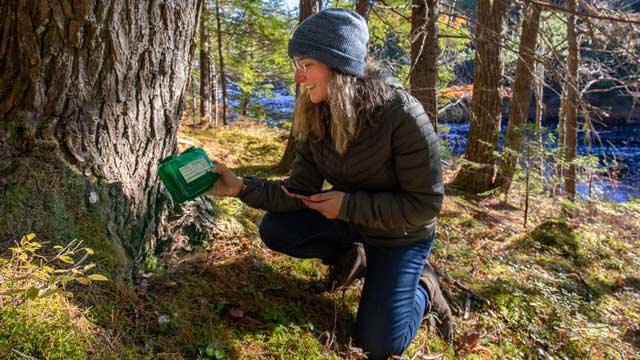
<point>391,174</point>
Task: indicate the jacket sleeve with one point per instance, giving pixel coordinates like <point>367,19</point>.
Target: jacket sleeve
<point>268,195</point>
<point>416,160</point>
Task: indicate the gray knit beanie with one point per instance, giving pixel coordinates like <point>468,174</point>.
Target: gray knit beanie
<point>335,37</point>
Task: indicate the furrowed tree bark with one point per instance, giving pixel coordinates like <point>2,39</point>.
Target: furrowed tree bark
<point>307,8</point>
<point>476,175</point>
<point>205,65</point>
<point>521,96</point>
<point>90,100</point>
<point>571,126</point>
<point>424,56</point>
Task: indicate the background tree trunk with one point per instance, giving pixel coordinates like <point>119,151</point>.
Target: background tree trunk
<point>215,95</point>
<point>521,96</point>
<point>477,174</point>
<point>424,56</point>
<point>205,65</point>
<point>307,8</point>
<point>223,80</point>
<point>572,97</point>
<point>363,7</point>
<point>560,152</point>
<point>540,108</point>
<point>90,100</point>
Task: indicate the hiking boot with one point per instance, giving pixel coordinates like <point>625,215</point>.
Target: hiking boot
<point>437,303</point>
<point>350,266</point>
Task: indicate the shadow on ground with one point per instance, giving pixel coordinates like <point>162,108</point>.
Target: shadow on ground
<point>202,302</point>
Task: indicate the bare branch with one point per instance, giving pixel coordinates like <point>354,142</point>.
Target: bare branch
<point>583,15</point>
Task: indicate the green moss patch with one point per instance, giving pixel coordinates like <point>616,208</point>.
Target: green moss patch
<point>47,197</point>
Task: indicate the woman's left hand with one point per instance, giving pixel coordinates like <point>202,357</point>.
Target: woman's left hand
<point>326,203</point>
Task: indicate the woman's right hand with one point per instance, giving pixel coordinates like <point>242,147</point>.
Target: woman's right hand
<point>228,184</point>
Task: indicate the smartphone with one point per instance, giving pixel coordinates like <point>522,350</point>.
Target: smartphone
<point>299,193</point>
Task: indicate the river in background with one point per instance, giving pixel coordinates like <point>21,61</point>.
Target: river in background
<point>618,148</point>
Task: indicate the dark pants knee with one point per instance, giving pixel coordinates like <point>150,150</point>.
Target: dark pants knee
<point>272,231</point>
<point>306,234</point>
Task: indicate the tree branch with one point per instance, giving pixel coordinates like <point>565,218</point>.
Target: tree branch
<point>583,15</point>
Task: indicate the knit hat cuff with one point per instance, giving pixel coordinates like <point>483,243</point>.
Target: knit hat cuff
<point>328,56</point>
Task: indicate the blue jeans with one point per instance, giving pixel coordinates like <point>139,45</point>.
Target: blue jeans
<point>392,303</point>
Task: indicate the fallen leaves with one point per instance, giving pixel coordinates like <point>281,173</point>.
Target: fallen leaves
<point>470,343</point>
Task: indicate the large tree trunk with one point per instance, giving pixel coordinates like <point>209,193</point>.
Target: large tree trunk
<point>476,175</point>
<point>424,55</point>
<point>521,96</point>
<point>572,97</point>
<point>205,65</point>
<point>307,8</point>
<point>90,100</point>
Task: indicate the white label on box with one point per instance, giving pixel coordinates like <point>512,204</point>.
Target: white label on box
<point>194,169</point>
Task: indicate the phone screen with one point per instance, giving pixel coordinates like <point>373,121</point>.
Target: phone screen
<point>296,193</point>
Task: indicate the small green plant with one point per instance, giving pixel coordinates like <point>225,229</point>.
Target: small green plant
<point>213,350</point>
<point>38,276</point>
<point>588,169</point>
<point>29,277</point>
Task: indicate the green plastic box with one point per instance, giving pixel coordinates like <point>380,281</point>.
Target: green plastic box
<point>188,175</point>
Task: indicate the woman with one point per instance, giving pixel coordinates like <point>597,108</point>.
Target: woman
<point>361,132</point>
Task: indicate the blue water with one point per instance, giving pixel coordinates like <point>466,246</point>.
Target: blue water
<point>618,150</point>
<point>617,142</point>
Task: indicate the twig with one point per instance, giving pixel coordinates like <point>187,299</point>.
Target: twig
<point>431,357</point>
<point>395,11</point>
<point>82,259</point>
<point>471,293</point>
<point>462,98</point>
<point>335,323</point>
<point>462,287</point>
<point>24,356</point>
<point>467,307</point>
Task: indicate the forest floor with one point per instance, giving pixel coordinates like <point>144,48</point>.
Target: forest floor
<point>567,286</point>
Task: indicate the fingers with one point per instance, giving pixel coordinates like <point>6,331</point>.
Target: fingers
<point>224,171</point>
<point>324,196</point>
<point>219,168</point>
<point>328,204</point>
<point>311,204</point>
<point>323,207</point>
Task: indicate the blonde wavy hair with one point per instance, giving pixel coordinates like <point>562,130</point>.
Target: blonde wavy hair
<point>349,106</point>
